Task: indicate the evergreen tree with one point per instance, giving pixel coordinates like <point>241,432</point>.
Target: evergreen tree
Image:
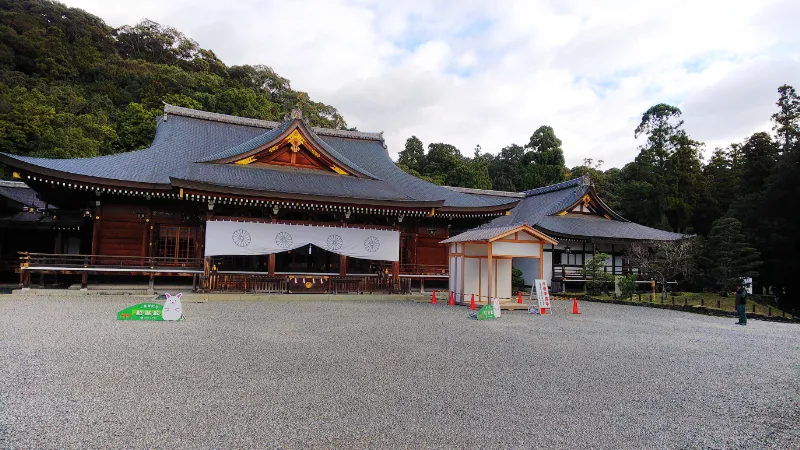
<point>730,258</point>
<point>413,156</point>
<point>544,159</point>
<point>787,119</point>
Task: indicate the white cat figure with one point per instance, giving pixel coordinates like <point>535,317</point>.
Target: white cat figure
<point>172,307</point>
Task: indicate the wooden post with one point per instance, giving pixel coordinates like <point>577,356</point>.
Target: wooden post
<point>395,275</point>
<point>769,311</point>
<point>718,304</point>
<point>271,266</point>
<point>194,283</point>
<point>151,284</point>
<point>207,272</point>
<point>96,234</point>
<point>342,265</point>
<point>84,281</point>
<point>754,307</point>
<point>490,279</point>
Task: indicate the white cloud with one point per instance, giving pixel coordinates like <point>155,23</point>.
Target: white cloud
<point>490,73</point>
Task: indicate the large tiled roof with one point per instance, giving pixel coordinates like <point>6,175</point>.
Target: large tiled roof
<point>187,139</point>
<point>19,192</point>
<point>541,209</point>
<point>584,225</point>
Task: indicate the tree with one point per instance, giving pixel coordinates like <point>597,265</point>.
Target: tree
<point>594,271</point>
<point>787,119</point>
<point>730,258</point>
<point>782,192</point>
<point>545,159</point>
<point>413,155</point>
<point>664,260</point>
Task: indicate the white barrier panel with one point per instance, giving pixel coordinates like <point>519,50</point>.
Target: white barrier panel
<point>247,238</point>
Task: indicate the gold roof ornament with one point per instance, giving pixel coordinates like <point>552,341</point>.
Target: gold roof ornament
<point>295,139</point>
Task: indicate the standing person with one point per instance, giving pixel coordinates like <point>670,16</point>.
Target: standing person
<point>741,304</point>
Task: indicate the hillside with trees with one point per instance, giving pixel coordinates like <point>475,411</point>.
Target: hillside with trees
<point>71,86</point>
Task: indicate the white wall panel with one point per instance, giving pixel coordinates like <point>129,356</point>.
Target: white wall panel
<point>515,249</point>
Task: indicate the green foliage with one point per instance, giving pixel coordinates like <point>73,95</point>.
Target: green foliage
<point>627,285</point>
<point>71,86</point>
<point>729,257</point>
<point>517,281</point>
<point>787,119</point>
<point>595,273</point>
<point>413,156</point>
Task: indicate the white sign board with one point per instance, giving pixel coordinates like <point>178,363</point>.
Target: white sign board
<point>496,306</point>
<point>542,295</point>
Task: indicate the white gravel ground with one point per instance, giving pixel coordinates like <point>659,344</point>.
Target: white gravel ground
<point>372,374</point>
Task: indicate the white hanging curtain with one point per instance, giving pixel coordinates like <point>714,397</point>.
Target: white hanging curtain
<point>248,238</point>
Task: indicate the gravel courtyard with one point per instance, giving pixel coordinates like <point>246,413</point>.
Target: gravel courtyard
<point>374,374</point>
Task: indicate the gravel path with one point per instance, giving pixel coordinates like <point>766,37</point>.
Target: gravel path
<point>391,374</point>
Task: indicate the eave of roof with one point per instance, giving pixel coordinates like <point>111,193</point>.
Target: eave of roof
<point>487,192</point>
<point>258,193</point>
<point>496,233</point>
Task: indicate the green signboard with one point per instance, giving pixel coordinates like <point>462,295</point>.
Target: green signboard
<point>142,311</point>
<point>486,312</point>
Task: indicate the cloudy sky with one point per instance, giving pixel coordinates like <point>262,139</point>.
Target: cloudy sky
<point>489,73</point>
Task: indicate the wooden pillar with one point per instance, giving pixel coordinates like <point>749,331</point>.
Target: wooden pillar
<point>396,274</point>
<point>84,281</point>
<point>151,289</point>
<point>207,272</point>
<point>271,264</point>
<point>96,233</point>
<point>541,261</point>
<point>343,258</point>
<point>613,261</point>
<point>146,234</point>
<point>490,278</point>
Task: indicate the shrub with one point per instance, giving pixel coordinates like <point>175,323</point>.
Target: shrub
<point>627,285</point>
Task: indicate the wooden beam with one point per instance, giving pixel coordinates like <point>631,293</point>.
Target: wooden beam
<point>490,278</point>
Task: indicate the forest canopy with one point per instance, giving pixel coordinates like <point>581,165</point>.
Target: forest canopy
<point>71,86</point>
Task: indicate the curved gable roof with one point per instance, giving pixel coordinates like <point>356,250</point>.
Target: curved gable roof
<point>187,139</point>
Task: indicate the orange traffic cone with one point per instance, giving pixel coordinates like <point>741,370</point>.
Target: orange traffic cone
<point>433,297</point>
<point>452,301</point>
<point>519,297</point>
<point>472,303</point>
<point>575,306</point>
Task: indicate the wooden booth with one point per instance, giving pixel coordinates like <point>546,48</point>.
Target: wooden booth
<point>481,260</point>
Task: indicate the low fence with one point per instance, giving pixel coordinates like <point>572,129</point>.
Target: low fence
<point>724,306</point>
<point>257,283</point>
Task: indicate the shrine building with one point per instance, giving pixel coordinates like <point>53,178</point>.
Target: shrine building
<point>240,204</point>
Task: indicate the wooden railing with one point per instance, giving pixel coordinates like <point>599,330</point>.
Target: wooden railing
<point>41,260</point>
<point>423,269</point>
<point>575,271</point>
<point>247,283</point>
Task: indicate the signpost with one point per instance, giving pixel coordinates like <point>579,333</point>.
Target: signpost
<point>142,311</point>
<point>542,296</point>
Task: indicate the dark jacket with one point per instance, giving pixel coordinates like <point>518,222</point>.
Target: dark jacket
<point>741,296</point>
